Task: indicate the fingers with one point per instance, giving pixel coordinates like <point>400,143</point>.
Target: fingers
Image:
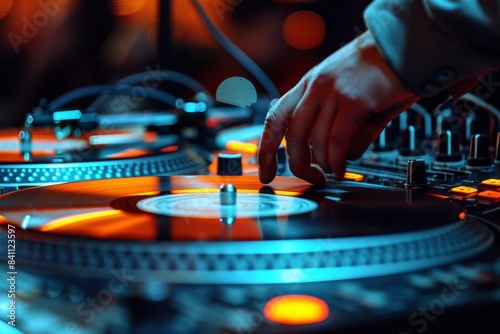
<point>275,126</point>
<point>342,131</point>
<point>321,130</point>
<point>371,128</point>
<point>297,141</point>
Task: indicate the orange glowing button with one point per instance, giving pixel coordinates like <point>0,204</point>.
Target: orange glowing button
<point>242,147</point>
<point>491,183</point>
<point>296,310</point>
<point>463,191</point>
<point>353,177</point>
<point>489,195</point>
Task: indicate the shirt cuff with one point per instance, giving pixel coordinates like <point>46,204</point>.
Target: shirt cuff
<point>425,58</point>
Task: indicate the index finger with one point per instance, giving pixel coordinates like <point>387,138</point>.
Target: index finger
<point>277,121</point>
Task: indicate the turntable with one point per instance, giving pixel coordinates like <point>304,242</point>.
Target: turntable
<point>225,254</point>
<point>99,154</point>
<point>129,231</point>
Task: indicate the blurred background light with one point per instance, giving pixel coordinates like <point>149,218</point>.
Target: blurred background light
<point>296,310</point>
<point>5,7</point>
<point>127,7</point>
<point>304,30</point>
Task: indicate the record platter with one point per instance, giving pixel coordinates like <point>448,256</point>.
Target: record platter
<point>101,154</point>
<point>223,254</point>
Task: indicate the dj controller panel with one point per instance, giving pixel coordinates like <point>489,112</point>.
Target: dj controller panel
<point>171,242</point>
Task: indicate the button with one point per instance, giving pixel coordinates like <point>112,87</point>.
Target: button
<point>491,183</point>
<point>430,87</point>
<point>489,195</point>
<point>353,177</point>
<point>446,75</point>
<point>463,191</point>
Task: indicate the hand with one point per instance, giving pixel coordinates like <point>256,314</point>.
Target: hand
<point>333,114</point>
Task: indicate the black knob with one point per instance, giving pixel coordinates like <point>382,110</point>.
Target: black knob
<point>229,164</point>
<point>466,130</point>
<point>387,140</point>
<point>479,153</point>
<point>448,148</point>
<point>416,174</point>
<point>409,143</point>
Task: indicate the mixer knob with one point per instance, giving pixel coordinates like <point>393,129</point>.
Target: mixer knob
<point>386,141</point>
<point>448,148</point>
<point>229,164</point>
<point>466,130</point>
<point>409,143</point>
<point>479,154</point>
<point>416,174</point>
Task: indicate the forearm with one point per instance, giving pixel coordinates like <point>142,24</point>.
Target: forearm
<point>433,45</point>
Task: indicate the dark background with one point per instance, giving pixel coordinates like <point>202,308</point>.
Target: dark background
<point>49,47</point>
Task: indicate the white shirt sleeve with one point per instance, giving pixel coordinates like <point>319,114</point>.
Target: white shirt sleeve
<point>435,44</point>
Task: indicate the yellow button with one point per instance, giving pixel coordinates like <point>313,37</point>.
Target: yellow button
<point>242,147</point>
<point>463,190</point>
<point>489,194</point>
<point>353,177</point>
<point>491,183</point>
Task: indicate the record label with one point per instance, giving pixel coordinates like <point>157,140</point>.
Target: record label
<point>207,205</point>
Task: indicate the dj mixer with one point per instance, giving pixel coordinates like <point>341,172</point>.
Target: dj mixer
<point>156,235</point>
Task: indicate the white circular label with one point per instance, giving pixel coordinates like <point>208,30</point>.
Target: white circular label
<point>207,205</point>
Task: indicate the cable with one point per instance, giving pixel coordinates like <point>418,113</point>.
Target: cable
<point>161,75</point>
<point>79,93</point>
<point>158,76</point>
<point>482,104</point>
<point>236,53</point>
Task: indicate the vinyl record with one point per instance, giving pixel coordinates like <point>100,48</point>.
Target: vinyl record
<point>178,230</point>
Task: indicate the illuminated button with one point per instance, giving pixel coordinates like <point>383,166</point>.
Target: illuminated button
<point>242,147</point>
<point>489,194</point>
<point>491,183</point>
<point>296,310</point>
<point>463,191</point>
<point>353,177</point>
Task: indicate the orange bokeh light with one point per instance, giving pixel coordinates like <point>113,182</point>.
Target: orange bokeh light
<point>296,310</point>
<point>127,7</point>
<point>304,30</point>
<point>5,7</point>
